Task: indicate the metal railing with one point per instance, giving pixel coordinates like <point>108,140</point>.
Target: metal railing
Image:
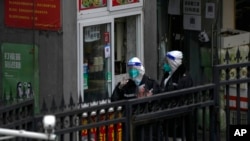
<point>120,120</point>
<point>191,114</point>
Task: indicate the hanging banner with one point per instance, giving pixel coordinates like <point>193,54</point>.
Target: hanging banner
<point>38,14</point>
<point>20,72</point>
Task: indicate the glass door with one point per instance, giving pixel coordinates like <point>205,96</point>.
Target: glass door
<point>95,59</point>
<point>127,43</point>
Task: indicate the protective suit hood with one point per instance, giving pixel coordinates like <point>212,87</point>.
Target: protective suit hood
<point>135,70</point>
<point>174,59</point>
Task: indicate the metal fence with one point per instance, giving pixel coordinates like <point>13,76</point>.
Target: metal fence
<point>233,81</point>
<point>189,114</point>
<point>18,115</point>
<point>148,118</point>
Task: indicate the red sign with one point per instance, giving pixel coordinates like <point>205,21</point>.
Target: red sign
<point>123,2</point>
<point>106,37</point>
<point>33,14</point>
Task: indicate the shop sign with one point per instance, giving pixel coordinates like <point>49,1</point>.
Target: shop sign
<point>33,14</point>
<point>91,4</point>
<point>123,2</point>
<point>19,72</point>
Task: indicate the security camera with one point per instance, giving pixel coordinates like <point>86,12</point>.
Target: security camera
<point>49,123</point>
<point>203,37</point>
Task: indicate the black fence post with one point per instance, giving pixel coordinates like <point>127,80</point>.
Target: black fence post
<point>128,126</point>
<point>215,120</point>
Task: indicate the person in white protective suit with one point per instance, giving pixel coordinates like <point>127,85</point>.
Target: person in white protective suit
<point>137,85</point>
<point>176,75</point>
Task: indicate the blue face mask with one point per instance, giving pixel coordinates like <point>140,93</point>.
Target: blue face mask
<point>133,73</point>
<point>166,68</point>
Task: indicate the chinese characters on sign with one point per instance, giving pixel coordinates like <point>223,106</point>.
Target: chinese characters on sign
<point>12,60</point>
<point>192,15</point>
<point>192,7</point>
<point>39,14</point>
<point>20,75</point>
<point>92,33</point>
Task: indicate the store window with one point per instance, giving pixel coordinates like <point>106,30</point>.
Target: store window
<point>96,62</point>
<point>125,42</point>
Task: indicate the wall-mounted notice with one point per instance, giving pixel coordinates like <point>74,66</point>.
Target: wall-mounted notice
<point>20,74</point>
<point>33,14</point>
<point>192,14</point>
<point>192,22</point>
<point>192,7</point>
<point>174,7</point>
<point>210,11</point>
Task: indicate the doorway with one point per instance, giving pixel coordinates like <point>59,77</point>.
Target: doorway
<point>127,43</point>
<point>96,62</point>
<point>105,45</point>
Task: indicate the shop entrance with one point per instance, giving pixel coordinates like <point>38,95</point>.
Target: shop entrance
<point>104,49</point>
<point>96,62</point>
<point>126,42</point>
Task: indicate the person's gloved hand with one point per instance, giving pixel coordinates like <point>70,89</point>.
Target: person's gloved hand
<point>150,92</point>
<point>123,83</point>
<point>142,92</point>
